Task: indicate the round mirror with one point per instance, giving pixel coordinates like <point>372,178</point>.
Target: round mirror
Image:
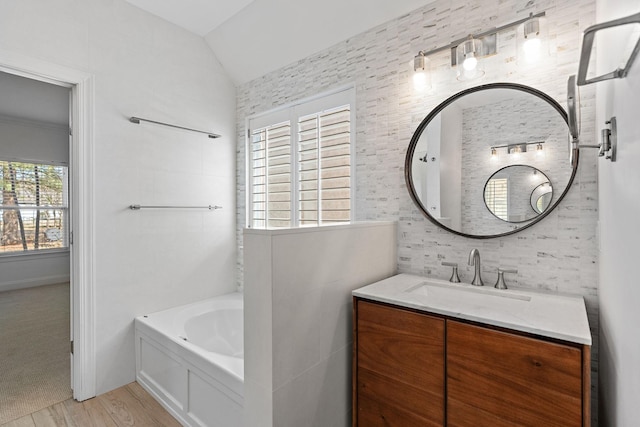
<point>541,197</point>
<point>477,163</point>
<point>509,193</point>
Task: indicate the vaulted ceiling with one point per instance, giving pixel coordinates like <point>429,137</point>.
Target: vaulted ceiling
<point>253,37</point>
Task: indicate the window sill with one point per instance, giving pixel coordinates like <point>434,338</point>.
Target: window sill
<point>46,253</point>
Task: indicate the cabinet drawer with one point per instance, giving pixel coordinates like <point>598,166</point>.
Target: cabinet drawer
<point>399,367</point>
<point>499,379</point>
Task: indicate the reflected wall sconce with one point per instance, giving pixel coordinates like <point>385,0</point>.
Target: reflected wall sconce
<point>468,53</point>
<point>517,148</point>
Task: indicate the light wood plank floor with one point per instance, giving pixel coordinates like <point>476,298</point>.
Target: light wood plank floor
<point>130,405</point>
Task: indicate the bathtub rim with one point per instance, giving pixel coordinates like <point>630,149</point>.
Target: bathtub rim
<point>214,365</point>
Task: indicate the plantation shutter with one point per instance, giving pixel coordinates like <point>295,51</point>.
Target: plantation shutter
<point>271,176</point>
<point>496,197</point>
<point>299,164</point>
<point>324,164</point>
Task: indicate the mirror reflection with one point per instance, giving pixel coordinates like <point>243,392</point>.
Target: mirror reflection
<point>510,192</point>
<point>476,137</point>
<point>541,197</point>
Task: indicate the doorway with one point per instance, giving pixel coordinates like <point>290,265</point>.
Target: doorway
<point>34,246</point>
<point>80,225</point>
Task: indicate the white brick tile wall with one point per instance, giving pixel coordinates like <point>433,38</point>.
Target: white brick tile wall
<point>560,252</point>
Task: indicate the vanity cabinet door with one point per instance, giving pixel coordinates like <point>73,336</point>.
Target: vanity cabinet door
<point>398,367</point>
<point>499,379</point>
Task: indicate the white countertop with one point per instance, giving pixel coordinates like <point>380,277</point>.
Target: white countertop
<point>551,315</point>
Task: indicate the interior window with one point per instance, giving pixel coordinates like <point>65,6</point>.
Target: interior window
<point>300,164</point>
<point>34,209</point>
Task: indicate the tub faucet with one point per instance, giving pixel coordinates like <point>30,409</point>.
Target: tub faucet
<point>474,259</point>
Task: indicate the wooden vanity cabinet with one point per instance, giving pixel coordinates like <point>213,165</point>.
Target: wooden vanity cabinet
<point>418,369</point>
<point>496,378</point>
<point>398,367</point>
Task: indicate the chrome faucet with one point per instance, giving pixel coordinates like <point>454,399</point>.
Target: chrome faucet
<point>474,259</point>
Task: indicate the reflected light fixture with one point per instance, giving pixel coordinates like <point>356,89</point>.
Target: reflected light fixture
<point>518,148</point>
<point>421,77</point>
<point>534,175</point>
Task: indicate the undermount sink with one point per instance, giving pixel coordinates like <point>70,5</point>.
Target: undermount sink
<point>439,291</point>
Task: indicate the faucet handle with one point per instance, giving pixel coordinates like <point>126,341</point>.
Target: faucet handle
<point>454,274</point>
<point>500,284</point>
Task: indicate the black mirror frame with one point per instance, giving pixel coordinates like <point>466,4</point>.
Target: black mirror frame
<point>534,190</point>
<point>418,132</point>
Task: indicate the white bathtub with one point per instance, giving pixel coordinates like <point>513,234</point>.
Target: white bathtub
<point>191,359</point>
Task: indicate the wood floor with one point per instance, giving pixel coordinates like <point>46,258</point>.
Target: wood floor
<point>130,405</point>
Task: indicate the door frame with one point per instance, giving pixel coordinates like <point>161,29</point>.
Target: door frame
<point>81,245</point>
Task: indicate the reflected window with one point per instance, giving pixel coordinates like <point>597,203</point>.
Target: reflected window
<point>496,197</point>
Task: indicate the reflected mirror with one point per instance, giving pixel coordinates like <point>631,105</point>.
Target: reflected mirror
<point>509,193</point>
<point>541,197</point>
<point>490,160</point>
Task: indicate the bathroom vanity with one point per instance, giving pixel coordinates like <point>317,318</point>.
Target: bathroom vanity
<point>433,353</point>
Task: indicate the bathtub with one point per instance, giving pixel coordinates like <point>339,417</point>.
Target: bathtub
<point>191,360</point>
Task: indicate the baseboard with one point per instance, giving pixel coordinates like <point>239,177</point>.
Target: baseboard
<point>32,283</point>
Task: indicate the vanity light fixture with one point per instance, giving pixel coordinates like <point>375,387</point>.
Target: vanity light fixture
<point>421,77</point>
<point>532,40</point>
<point>517,148</point>
<point>467,53</point>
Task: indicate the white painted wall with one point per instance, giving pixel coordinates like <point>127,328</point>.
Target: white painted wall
<point>33,141</point>
<point>451,168</point>
<point>143,66</point>
<point>298,318</point>
<point>38,142</point>
<point>27,271</point>
<point>619,205</point>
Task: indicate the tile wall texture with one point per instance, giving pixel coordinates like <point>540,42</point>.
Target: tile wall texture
<point>561,252</point>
